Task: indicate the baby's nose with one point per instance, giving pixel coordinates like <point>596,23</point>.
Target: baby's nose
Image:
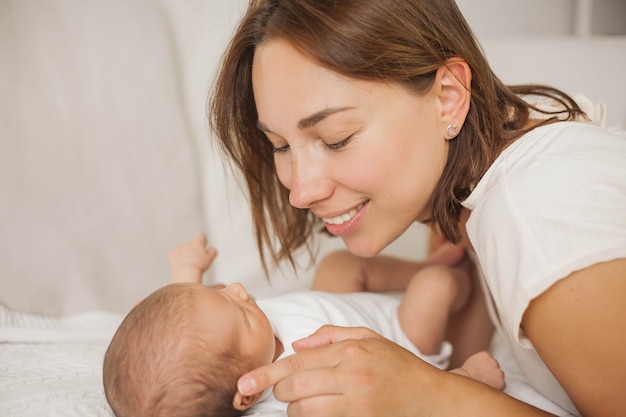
<point>238,290</point>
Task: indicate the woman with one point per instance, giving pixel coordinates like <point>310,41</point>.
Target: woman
<point>369,115</point>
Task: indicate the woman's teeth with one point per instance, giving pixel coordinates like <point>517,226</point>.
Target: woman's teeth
<point>344,217</point>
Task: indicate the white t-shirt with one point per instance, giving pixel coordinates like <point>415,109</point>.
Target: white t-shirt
<point>553,202</point>
<point>297,315</point>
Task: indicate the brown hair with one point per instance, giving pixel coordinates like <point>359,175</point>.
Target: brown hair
<point>161,362</point>
<point>402,41</point>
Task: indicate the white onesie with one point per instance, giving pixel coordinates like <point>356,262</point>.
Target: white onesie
<point>297,315</point>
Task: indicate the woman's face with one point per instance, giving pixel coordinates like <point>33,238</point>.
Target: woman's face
<point>363,156</point>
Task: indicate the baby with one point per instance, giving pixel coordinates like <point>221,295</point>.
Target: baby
<point>181,350</point>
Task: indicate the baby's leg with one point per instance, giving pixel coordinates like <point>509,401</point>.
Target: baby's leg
<point>340,271</point>
<point>469,329</point>
<point>432,295</point>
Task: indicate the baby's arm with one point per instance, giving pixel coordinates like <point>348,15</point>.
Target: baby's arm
<point>191,259</point>
<point>483,367</point>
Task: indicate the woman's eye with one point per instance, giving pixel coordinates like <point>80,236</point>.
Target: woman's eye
<point>281,149</point>
<point>338,145</point>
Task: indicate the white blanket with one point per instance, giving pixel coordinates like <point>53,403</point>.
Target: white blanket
<point>52,366</point>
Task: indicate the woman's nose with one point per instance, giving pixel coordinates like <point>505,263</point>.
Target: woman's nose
<point>309,182</point>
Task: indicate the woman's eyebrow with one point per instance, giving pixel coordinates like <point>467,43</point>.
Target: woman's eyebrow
<point>310,120</point>
<point>320,115</point>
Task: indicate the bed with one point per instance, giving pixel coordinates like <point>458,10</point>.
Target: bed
<point>52,366</point>
<point>106,164</point>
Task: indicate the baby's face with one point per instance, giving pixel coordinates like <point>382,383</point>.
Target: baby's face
<point>236,316</point>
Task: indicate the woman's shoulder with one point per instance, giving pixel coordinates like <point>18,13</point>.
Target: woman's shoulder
<point>552,204</point>
<point>587,133</point>
<point>550,155</point>
<point>565,138</point>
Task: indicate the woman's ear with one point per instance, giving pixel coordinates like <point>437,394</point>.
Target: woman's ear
<point>454,80</point>
<point>243,402</point>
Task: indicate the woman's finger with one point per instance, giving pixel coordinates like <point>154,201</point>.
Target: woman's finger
<point>311,406</point>
<point>367,370</point>
<point>309,383</point>
<point>258,380</point>
<point>329,334</point>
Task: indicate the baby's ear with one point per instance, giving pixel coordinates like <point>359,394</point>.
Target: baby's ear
<point>243,402</point>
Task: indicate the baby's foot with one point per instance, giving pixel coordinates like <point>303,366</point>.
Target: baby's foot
<point>483,367</point>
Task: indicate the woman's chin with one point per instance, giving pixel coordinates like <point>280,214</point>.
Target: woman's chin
<point>363,248</point>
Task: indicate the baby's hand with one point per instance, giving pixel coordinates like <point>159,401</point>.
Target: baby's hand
<point>191,259</point>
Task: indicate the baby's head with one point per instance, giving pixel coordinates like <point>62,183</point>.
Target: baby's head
<point>181,350</point>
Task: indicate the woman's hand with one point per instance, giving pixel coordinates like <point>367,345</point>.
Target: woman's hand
<point>346,372</point>
<point>349,372</point>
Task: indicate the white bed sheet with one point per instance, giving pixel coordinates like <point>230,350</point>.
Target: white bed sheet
<point>52,366</point>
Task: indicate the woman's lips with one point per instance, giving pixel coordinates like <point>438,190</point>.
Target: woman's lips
<point>346,223</point>
<point>338,220</point>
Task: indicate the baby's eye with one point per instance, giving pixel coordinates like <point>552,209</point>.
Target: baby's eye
<point>281,149</point>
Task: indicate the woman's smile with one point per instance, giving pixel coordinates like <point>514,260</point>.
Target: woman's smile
<point>342,218</point>
<point>348,222</point>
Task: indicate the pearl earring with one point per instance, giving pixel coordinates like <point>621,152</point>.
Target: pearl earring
<point>452,130</point>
